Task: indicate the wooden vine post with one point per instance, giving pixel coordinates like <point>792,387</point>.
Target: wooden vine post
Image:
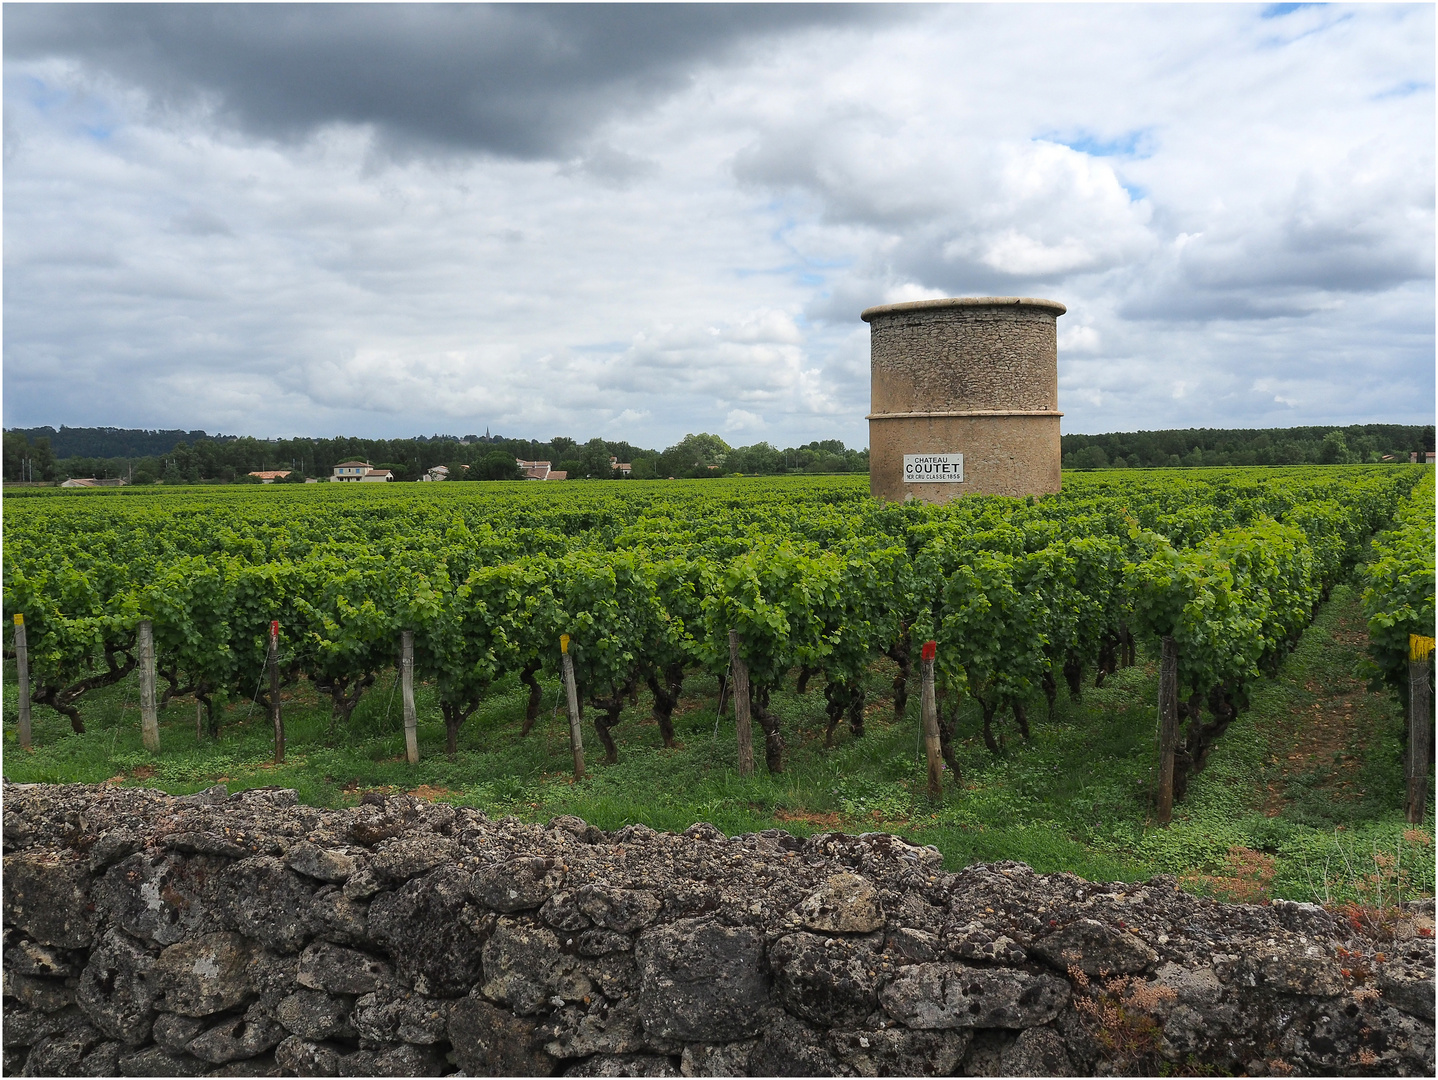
<point>149,714</point>
<point>1420,725</point>
<point>1167,726</point>
<point>406,693</point>
<point>272,662</point>
<point>22,673</point>
<point>740,680</point>
<point>929,715</point>
<point>571,697</point>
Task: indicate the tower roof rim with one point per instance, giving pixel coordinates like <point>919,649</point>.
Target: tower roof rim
<point>869,314</point>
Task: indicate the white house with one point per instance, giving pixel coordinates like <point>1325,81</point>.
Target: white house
<point>351,470</point>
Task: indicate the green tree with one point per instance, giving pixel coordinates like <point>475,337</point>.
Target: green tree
<point>594,460</point>
<point>1335,450</point>
<point>693,455</point>
<point>497,465</point>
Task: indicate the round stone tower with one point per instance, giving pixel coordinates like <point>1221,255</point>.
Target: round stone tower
<point>964,398</point>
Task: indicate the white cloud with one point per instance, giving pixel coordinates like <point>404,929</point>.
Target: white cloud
<point>1237,210</point>
<point>743,421</point>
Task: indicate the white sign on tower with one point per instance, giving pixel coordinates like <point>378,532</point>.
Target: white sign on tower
<point>933,468</point>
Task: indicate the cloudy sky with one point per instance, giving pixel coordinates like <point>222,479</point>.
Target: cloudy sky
<point>638,222</point>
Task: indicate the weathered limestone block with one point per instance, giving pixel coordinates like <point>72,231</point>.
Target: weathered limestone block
<point>315,1015</point>
<point>320,863</point>
<point>975,941</point>
<point>267,902</point>
<point>899,1052</point>
<point>1038,1051</point>
<point>273,975</point>
<point>494,1042</point>
<point>561,911</point>
<point>907,943</point>
<point>118,988</point>
<point>25,957</point>
<point>844,904</point>
<point>623,1065</point>
<point>722,1059</point>
<point>26,1027</point>
<point>433,935</point>
<point>1095,949</point>
<point>206,975</point>
<point>601,942</point>
<point>828,980</point>
<point>1290,971</point>
<point>297,1056</point>
<point>602,1027</point>
<point>64,1052</point>
<point>929,996</point>
<point>173,1032</point>
<point>400,1060</point>
<point>47,895</point>
<point>362,884</point>
<point>39,992</point>
<point>340,919</point>
<point>702,981</point>
<point>621,910</point>
<point>153,1061</point>
<point>1407,986</point>
<point>112,845</point>
<point>790,1047</point>
<point>339,970</point>
<point>403,858</point>
<point>527,970</point>
<point>393,1014</point>
<point>517,884</point>
<point>236,1038</point>
<point>160,896</point>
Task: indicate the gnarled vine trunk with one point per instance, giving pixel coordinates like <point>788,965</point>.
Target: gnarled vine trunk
<point>773,739</point>
<point>536,695</point>
<point>63,698</point>
<point>666,691</point>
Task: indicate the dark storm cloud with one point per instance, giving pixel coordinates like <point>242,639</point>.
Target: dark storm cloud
<point>523,81</point>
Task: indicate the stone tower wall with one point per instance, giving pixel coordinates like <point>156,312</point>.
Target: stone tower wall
<point>975,376</point>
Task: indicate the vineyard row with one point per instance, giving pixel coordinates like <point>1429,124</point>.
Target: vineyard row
<point>1021,596</point>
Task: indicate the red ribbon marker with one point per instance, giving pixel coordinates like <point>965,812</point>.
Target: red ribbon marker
<point>274,628</point>
<point>930,649</point>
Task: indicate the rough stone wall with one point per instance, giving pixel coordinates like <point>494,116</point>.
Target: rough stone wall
<point>247,935</point>
<point>987,355</point>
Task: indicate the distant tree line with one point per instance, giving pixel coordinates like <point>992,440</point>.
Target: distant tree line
<point>180,457</point>
<point>190,457</point>
<point>1191,447</point>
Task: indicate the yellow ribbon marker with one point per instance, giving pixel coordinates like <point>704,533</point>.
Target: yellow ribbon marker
<point>563,642</point>
<point>19,620</point>
<point>1419,647</point>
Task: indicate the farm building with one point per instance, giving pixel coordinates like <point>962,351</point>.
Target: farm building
<point>352,471</point>
<point>540,470</point>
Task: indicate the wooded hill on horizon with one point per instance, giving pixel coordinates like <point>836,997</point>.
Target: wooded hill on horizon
<point>179,456</point>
